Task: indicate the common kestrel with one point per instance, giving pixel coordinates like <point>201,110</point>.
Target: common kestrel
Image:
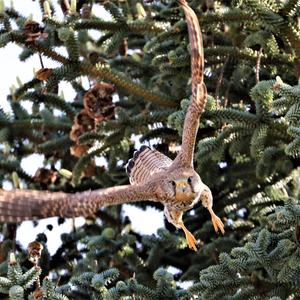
<point>153,176</point>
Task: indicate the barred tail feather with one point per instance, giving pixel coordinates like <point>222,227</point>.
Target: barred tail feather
<point>145,163</point>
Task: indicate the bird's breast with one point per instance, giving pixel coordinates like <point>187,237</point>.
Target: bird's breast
<point>187,197</point>
<point>183,202</point>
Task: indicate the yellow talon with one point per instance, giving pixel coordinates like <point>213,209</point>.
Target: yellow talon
<point>192,242</point>
<point>217,223</point>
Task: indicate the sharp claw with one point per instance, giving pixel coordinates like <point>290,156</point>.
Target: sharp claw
<point>214,224</point>
<point>217,223</point>
<point>192,242</point>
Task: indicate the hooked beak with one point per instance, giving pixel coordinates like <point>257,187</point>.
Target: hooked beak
<point>182,186</point>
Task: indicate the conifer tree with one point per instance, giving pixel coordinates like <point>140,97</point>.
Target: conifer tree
<point>138,71</point>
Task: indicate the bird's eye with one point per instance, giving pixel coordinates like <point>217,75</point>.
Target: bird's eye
<point>189,180</point>
<point>173,183</point>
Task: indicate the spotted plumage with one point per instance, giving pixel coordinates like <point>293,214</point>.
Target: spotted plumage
<point>153,176</point>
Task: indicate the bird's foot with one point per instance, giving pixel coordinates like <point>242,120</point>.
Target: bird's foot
<point>192,242</point>
<point>217,223</point>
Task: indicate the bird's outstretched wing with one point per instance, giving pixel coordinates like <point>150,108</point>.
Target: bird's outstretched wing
<point>19,205</point>
<point>145,163</point>
<point>199,94</point>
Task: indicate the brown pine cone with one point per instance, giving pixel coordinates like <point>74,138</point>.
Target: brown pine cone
<point>43,74</point>
<point>33,31</point>
<point>98,101</point>
<point>84,120</point>
<point>34,252</point>
<point>45,176</point>
<point>78,150</point>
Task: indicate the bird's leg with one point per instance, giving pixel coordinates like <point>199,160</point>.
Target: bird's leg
<point>218,224</point>
<point>189,237</point>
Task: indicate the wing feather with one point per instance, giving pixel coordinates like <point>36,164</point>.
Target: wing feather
<point>199,93</point>
<point>19,205</point>
<point>145,163</point>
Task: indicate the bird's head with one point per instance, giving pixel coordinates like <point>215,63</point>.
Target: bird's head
<point>185,184</point>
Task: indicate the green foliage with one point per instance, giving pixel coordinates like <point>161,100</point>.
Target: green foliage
<point>17,282</point>
<point>266,266</point>
<point>52,100</point>
<point>48,291</point>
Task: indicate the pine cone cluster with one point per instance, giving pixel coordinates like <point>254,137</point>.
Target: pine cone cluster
<point>98,107</point>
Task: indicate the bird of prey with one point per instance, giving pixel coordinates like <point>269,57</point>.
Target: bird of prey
<point>153,176</point>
